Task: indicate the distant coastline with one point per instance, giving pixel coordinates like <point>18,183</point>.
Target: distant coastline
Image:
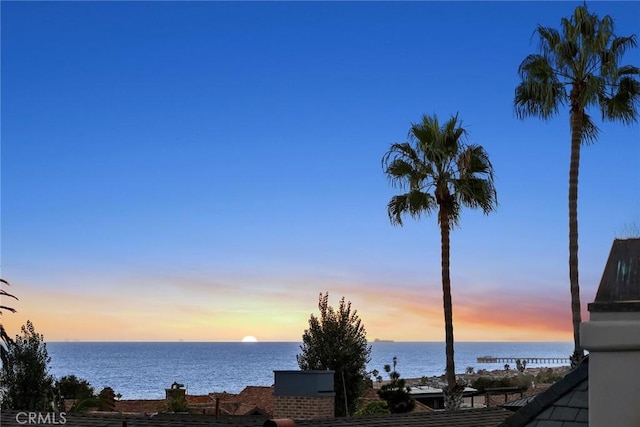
<point>379,340</point>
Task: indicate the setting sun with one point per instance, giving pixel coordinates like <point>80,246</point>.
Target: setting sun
<point>249,338</point>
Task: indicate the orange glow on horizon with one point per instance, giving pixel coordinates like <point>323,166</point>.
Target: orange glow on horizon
<point>407,314</point>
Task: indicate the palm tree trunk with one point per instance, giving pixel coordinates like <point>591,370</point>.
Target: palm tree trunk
<point>576,141</point>
<point>446,293</point>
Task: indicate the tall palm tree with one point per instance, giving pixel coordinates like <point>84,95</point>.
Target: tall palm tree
<point>5,339</point>
<point>578,66</point>
<point>440,173</point>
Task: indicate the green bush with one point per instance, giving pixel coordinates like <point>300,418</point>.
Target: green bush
<point>549,376</point>
<point>376,407</point>
<point>72,387</point>
<point>482,383</point>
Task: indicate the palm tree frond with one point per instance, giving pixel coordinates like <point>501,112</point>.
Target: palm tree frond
<point>540,93</point>
<point>4,307</point>
<point>590,131</point>
<point>413,203</point>
<point>624,103</point>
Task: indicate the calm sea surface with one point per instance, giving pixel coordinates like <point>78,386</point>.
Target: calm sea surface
<point>144,370</point>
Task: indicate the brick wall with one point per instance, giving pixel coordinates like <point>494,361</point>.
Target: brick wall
<point>303,408</point>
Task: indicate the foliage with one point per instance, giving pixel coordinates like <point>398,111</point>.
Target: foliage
<point>106,399</point>
<point>89,403</point>
<point>578,66</point>
<point>4,293</point>
<point>72,387</point>
<point>521,365</point>
<point>337,341</point>
<point>375,407</point>
<point>80,390</point>
<point>103,401</point>
<point>469,370</point>
<point>395,392</point>
<point>5,339</point>
<point>376,374</point>
<point>548,376</point>
<point>26,383</point>
<point>482,383</point>
<point>440,172</point>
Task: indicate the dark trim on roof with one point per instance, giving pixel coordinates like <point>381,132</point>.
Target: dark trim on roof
<point>610,307</point>
<point>549,396</point>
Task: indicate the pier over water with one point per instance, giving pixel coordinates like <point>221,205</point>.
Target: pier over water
<point>529,360</point>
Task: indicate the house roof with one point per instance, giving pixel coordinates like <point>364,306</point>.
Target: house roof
<point>564,404</point>
<point>112,419</point>
<point>141,406</point>
<point>425,390</point>
<point>486,417</point>
<point>258,396</point>
<point>514,405</point>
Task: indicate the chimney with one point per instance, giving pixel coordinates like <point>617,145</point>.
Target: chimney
<point>304,395</point>
<point>176,394</point>
<point>612,337</point>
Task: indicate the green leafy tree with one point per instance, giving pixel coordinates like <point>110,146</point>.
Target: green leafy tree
<point>79,390</point>
<point>396,393</point>
<point>26,382</point>
<point>442,174</point>
<point>337,341</point>
<point>72,387</point>
<point>578,66</point>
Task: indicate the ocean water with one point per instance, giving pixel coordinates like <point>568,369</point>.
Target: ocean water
<point>144,370</point>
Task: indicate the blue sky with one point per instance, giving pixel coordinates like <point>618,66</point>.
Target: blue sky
<point>202,170</point>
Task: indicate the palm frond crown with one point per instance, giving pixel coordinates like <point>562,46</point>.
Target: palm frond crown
<point>438,170</point>
<point>579,66</point>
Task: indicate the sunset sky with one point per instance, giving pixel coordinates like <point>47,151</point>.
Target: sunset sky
<point>201,171</point>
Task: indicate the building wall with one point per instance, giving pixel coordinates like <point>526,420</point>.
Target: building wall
<point>613,341</point>
<point>304,407</point>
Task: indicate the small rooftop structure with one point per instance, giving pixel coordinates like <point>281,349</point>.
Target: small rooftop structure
<point>619,289</point>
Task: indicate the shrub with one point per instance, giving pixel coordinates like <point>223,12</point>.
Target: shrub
<point>482,383</point>
<point>549,376</point>
<point>376,407</point>
<point>337,341</point>
<point>72,387</point>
